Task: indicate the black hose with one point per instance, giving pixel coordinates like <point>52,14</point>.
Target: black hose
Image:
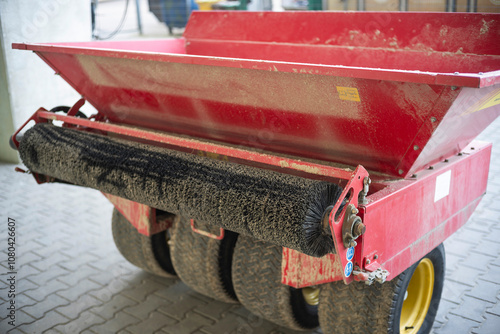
<point>120,26</point>
<point>65,109</point>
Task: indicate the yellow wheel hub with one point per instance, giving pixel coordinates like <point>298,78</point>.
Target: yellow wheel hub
<point>311,295</point>
<point>417,298</point>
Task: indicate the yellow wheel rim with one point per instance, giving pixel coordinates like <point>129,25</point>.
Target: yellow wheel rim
<point>311,295</point>
<point>417,298</point>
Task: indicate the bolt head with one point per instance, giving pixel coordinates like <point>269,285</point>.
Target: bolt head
<point>359,229</point>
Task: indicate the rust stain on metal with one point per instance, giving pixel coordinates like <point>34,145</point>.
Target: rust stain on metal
<point>300,270</point>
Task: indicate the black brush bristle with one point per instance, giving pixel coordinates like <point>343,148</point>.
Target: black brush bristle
<point>281,209</point>
<point>320,241</point>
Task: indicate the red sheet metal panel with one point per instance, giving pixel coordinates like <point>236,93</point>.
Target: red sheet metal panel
<point>141,216</point>
<point>431,42</point>
<point>405,219</point>
<point>408,218</point>
<point>300,270</point>
<point>471,112</point>
<point>342,87</point>
<point>441,32</point>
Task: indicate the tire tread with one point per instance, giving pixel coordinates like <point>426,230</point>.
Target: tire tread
<point>135,247</point>
<point>257,282</point>
<point>196,260</point>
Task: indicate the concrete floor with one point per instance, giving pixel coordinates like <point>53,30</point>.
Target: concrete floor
<point>71,279</point>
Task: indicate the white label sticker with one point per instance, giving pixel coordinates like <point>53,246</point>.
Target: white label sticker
<point>443,182</point>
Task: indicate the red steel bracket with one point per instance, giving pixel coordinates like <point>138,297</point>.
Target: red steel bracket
<point>39,119</point>
<point>208,234</point>
<point>300,270</point>
<point>141,216</point>
<point>35,117</point>
<point>76,107</point>
<point>351,191</point>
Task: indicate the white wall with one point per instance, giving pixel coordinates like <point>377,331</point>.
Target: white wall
<point>31,83</point>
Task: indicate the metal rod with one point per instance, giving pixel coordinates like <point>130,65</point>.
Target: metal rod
<point>471,6</point>
<point>361,5</point>
<point>403,5</point>
<point>451,5</point>
<point>138,10</point>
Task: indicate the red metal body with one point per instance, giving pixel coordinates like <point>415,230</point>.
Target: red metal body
<point>143,217</point>
<point>319,85</point>
<point>404,219</point>
<point>319,95</point>
<point>409,218</point>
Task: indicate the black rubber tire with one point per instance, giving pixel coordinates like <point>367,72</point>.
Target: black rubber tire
<point>257,282</point>
<point>376,308</point>
<point>203,263</point>
<point>148,253</point>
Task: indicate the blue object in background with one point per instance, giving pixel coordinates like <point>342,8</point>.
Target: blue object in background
<point>174,13</point>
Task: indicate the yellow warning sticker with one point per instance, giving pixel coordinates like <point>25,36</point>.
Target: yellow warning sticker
<point>348,93</point>
<point>491,102</point>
